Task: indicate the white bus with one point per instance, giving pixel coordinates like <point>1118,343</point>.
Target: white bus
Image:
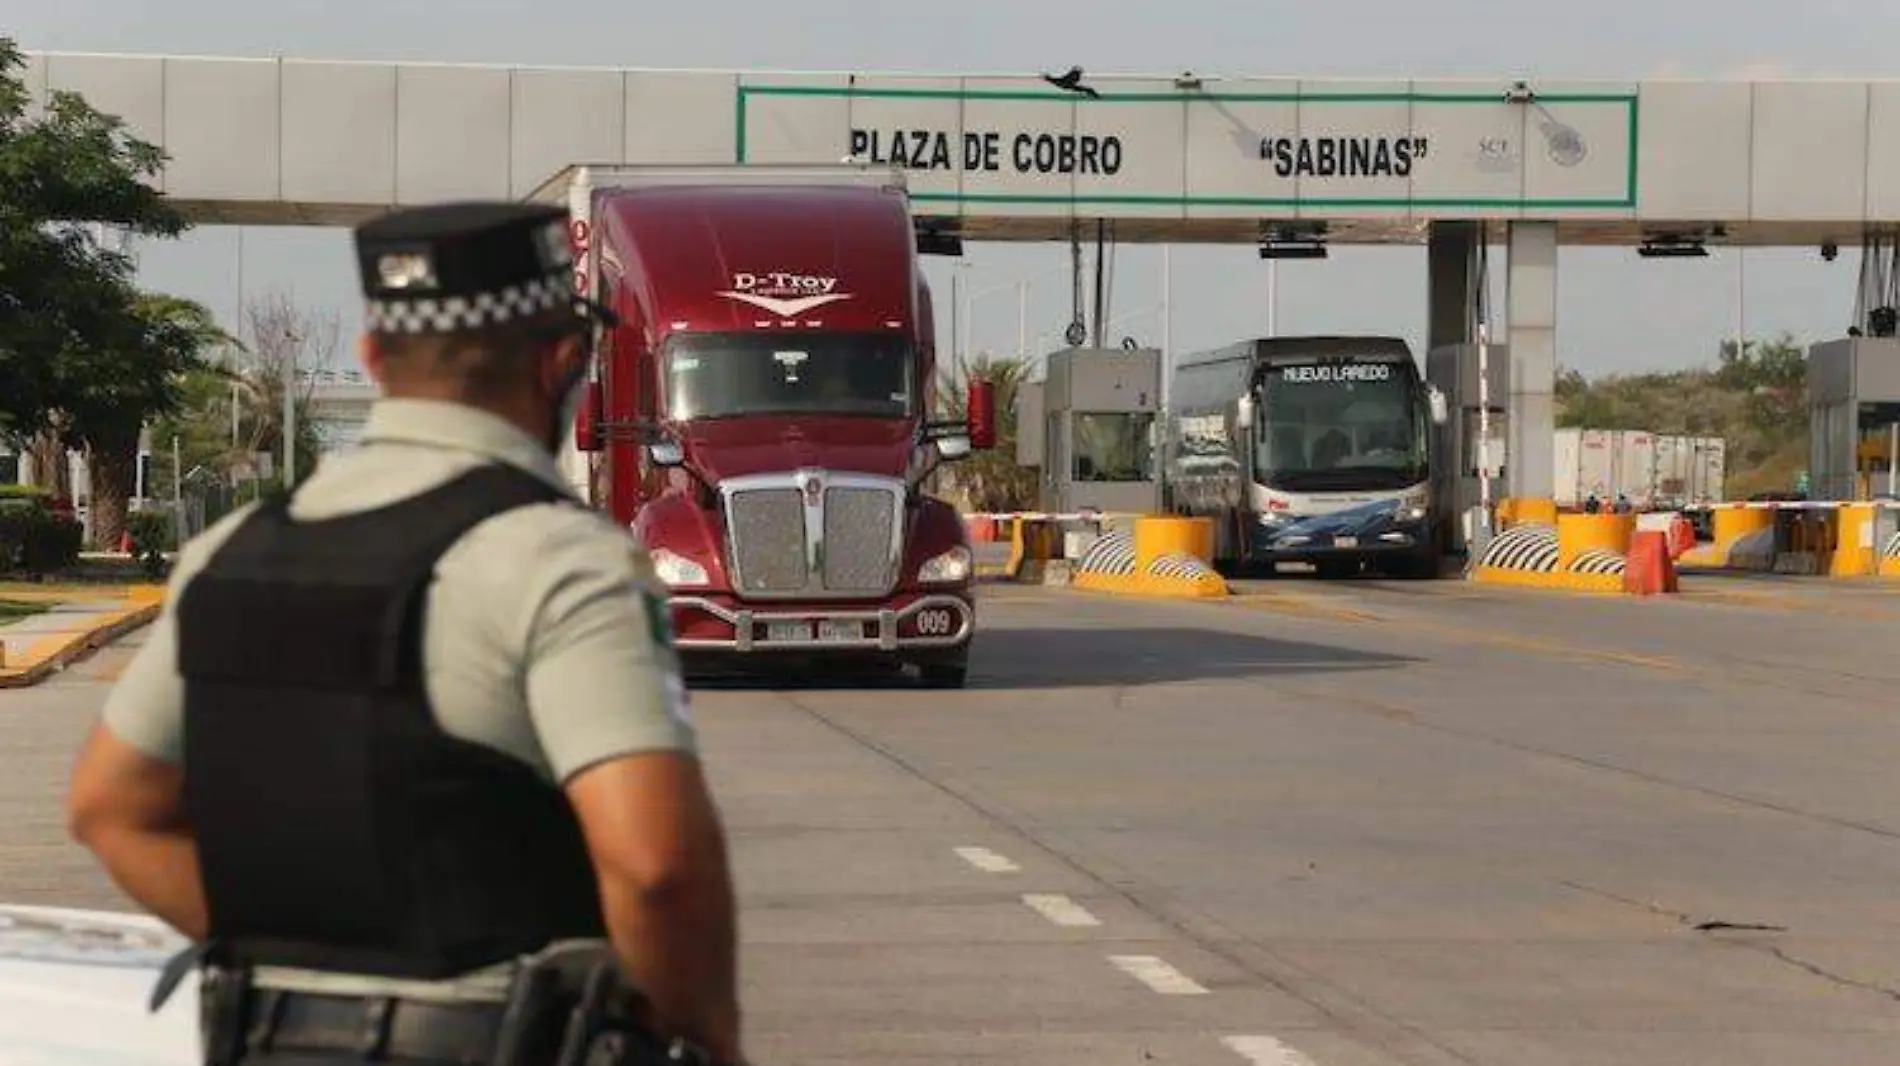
<point>1308,449</point>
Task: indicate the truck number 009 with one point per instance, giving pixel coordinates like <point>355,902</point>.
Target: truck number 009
<point>935,623</point>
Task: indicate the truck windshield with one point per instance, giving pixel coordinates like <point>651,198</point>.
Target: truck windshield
<point>717,375</point>
<point>1339,425</point>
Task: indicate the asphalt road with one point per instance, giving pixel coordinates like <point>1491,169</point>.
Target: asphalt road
<point>1329,824</point>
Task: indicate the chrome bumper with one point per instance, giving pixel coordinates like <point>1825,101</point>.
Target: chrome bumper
<point>743,619</point>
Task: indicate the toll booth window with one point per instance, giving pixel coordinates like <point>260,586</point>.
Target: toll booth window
<point>1113,446</point>
<point>9,469</point>
<point>722,375</point>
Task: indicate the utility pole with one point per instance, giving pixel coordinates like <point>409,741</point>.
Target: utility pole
<point>290,411</point>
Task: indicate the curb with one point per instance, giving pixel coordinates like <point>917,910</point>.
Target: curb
<point>111,628</point>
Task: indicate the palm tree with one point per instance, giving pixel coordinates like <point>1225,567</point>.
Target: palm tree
<point>991,481</point>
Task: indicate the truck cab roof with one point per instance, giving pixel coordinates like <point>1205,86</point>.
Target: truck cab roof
<point>739,257</point>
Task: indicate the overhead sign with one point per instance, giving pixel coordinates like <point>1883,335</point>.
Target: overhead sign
<point>1159,150</point>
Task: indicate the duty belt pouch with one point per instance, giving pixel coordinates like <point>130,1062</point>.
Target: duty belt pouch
<point>572,1007</point>
<point>224,999</point>
<point>224,1013</point>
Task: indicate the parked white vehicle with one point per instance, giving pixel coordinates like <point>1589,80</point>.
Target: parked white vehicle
<point>74,990</point>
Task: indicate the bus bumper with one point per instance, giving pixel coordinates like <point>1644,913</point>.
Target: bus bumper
<point>1293,545</point>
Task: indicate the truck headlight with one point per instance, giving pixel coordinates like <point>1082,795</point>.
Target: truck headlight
<point>951,566</point>
<point>676,569</point>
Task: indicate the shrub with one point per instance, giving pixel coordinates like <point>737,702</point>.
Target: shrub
<point>152,536</point>
<point>35,540</point>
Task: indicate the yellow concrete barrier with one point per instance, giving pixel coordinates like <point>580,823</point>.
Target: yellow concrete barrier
<point>1172,558</point>
<point>1580,533</point>
<point>1855,552</point>
<point>1157,536</point>
<point>1733,523</point>
<point>1031,540</point>
<point>1534,512</point>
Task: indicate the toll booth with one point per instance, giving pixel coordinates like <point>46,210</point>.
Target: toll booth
<point>1091,426</point>
<point>1456,488</point>
<point>1854,418</point>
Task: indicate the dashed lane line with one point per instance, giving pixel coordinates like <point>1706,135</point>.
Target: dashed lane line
<point>1157,975</point>
<point>1061,910</point>
<point>1265,1051</point>
<point>987,861</point>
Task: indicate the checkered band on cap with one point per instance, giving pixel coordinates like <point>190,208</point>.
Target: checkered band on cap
<point>449,314</point>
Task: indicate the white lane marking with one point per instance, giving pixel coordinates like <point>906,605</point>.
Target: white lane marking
<point>1157,975</point>
<point>988,861</point>
<point>1061,910</point>
<point>1265,1051</point>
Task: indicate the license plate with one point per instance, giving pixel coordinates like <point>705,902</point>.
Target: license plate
<point>787,632</point>
<point>1345,542</point>
<point>840,631</point>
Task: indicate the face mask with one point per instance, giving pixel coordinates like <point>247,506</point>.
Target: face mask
<point>566,404</point>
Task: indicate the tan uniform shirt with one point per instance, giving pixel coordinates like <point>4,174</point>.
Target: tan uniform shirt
<point>538,637</point>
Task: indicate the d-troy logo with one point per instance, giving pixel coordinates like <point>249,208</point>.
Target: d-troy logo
<point>784,294</point>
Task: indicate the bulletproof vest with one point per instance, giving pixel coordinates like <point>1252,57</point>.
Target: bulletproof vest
<point>338,826</point>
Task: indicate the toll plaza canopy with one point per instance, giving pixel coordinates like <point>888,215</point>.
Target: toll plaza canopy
<point>281,141</point>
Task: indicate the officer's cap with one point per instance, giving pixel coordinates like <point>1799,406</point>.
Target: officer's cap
<point>465,266</point>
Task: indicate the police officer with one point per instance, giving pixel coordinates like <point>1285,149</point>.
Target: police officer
<point>406,756</point>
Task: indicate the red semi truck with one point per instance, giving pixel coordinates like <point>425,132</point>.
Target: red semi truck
<point>762,415</point>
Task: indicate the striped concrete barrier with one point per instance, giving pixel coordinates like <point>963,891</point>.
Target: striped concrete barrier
<point>1527,556</point>
<point>1890,557</point>
<point>1530,548</point>
<point>1111,564</point>
<point>1112,554</point>
<point>1598,561</point>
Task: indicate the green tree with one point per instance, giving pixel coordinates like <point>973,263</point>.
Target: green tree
<point>1755,398</point>
<point>67,164</point>
<point>231,408</point>
<point>87,357</point>
<point>127,369</point>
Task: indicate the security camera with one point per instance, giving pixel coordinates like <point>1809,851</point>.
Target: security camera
<point>1830,251</point>
<point>1519,93</point>
<point>1187,80</point>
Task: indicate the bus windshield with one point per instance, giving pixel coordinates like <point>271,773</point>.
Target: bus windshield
<point>716,375</point>
<point>1338,425</point>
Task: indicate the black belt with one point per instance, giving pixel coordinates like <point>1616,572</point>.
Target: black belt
<point>374,1027</point>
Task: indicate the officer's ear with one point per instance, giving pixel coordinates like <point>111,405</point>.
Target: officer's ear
<point>567,359</point>
<point>370,353</point>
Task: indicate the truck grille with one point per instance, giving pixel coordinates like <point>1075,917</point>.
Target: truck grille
<point>858,529</point>
<point>770,526</point>
<point>767,527</point>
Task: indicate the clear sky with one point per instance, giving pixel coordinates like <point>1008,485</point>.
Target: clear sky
<point>1616,312</point>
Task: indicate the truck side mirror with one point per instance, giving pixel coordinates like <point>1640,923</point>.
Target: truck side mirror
<point>587,419</point>
<point>982,407</point>
<point>1243,411</point>
<point>666,453</point>
<point>1436,399</point>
